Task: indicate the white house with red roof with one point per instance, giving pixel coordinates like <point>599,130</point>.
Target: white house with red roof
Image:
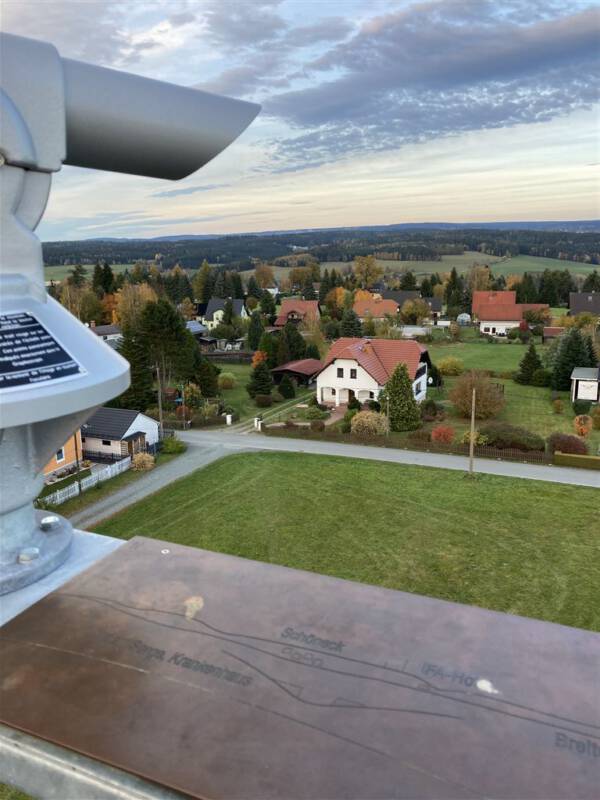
<point>360,368</point>
<point>498,312</point>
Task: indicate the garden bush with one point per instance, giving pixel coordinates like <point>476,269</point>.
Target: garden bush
<point>541,377</point>
<point>583,425</point>
<point>489,399</point>
<point>354,404</point>
<point>443,434</point>
<point>277,397</point>
<point>141,462</point>
<point>346,424</point>
<point>373,405</point>
<point>513,334</point>
<point>480,439</point>
<point>173,445</point>
<point>581,406</point>
<point>226,380</point>
<point>369,424</point>
<point>183,412</point>
<point>317,425</point>
<point>558,406</point>
<point>511,437</point>
<point>451,366</point>
<point>263,400</point>
<point>566,443</point>
<point>429,410</point>
<point>315,412</point>
<point>595,415</point>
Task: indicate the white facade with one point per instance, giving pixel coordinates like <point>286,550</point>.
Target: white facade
<point>336,383</point>
<point>498,328</point>
<point>217,318</point>
<point>105,447</point>
<point>119,447</point>
<point>146,424</point>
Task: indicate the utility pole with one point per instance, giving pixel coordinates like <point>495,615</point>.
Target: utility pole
<point>160,411</point>
<point>77,460</point>
<point>472,436</point>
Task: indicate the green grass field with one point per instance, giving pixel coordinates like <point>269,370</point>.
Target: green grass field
<point>58,273</point>
<point>524,547</point>
<point>480,354</point>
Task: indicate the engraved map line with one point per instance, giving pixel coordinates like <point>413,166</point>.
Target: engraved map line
<point>433,691</point>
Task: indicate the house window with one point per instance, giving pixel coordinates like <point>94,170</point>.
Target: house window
<point>340,372</point>
<point>333,391</point>
<point>353,373</point>
<point>106,442</point>
<point>371,395</point>
<point>486,330</point>
<point>60,454</point>
<point>83,438</point>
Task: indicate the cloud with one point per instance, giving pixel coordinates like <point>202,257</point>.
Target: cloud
<point>190,190</point>
<point>327,29</point>
<point>244,24</point>
<point>437,68</point>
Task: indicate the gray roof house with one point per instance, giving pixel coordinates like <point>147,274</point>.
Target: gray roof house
<point>214,310</point>
<point>399,296</point>
<point>114,433</point>
<point>584,301</point>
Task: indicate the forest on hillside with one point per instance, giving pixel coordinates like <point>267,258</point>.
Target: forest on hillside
<point>241,252</point>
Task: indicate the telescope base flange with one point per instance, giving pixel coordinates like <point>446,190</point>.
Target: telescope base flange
<point>47,549</point>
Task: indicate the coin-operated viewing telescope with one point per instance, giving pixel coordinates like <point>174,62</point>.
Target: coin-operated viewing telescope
<point>53,370</point>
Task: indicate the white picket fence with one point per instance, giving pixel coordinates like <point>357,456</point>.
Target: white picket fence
<point>72,490</point>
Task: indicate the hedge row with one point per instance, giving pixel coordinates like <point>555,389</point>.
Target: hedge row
<point>571,460</point>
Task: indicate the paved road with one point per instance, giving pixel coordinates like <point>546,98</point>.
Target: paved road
<point>194,458</point>
<point>232,442</point>
<point>204,447</point>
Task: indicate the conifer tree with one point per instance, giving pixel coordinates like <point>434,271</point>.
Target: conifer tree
<point>312,351</point>
<point>350,324</point>
<point>261,381</point>
<point>206,377</point>
<point>267,303</point>
<point>308,292</point>
<point>254,289</point>
<point>287,388</point>
<point>283,349</point>
<point>572,352</point>
<point>295,340</point>
<point>528,365</point>
<point>268,345</point>
<point>398,401</point>
<point>255,330</point>
<point>140,393</point>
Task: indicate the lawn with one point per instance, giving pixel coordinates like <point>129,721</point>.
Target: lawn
<point>60,272</point>
<point>102,490</point>
<point>480,354</point>
<point>239,399</point>
<point>524,547</point>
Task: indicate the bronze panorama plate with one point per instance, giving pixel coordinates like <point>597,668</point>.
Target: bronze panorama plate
<point>227,678</point>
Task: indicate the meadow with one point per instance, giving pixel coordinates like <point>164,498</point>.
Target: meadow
<point>519,546</point>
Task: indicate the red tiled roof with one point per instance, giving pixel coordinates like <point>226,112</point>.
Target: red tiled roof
<point>549,330</point>
<point>481,298</point>
<point>379,357</point>
<point>305,366</point>
<point>508,312</point>
<point>375,308</point>
<point>304,308</point>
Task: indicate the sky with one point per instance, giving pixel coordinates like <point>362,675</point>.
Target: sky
<point>373,111</point>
